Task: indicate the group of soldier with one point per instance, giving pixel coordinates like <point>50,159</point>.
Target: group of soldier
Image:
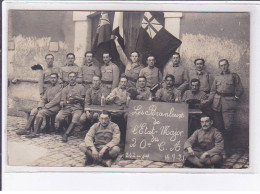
<point>68,91</point>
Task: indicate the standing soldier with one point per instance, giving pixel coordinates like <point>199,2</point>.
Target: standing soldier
<point>180,74</point>
<point>72,98</point>
<point>224,95</point>
<point>89,69</point>
<point>132,67</point>
<point>151,73</point>
<point>202,75</point>
<point>44,81</point>
<point>109,73</point>
<point>70,67</point>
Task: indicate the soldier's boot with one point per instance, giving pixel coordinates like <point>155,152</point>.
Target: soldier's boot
<point>66,134</point>
<point>35,133</point>
<point>27,127</point>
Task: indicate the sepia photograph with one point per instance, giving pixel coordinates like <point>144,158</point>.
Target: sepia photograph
<point>130,89</point>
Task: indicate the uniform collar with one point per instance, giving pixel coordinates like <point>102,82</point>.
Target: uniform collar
<point>142,89</point>
<point>200,72</point>
<point>136,64</point>
<point>228,72</point>
<point>109,63</point>
<point>89,64</point>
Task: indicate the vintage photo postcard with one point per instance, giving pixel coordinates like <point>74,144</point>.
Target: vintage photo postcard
<point>133,89</point>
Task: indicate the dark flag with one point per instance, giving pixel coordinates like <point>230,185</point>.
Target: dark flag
<point>102,42</point>
<point>154,39</point>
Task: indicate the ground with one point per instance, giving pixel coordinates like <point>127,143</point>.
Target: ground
<point>49,151</point>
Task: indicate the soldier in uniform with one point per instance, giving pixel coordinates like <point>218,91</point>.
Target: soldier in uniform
<point>101,141</point>
<point>200,74</point>
<point>196,99</point>
<point>109,73</point>
<point>44,79</point>
<point>132,66</point>
<point>93,97</point>
<point>143,92</point>
<point>195,94</point>
<point>119,95</point>
<point>72,99</point>
<point>70,67</point>
<point>168,93</point>
<point>89,69</point>
<point>224,95</point>
<point>48,106</point>
<point>151,73</point>
<point>206,145</point>
<point>180,74</point>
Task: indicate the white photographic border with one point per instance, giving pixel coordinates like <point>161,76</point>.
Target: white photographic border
<point>11,173</point>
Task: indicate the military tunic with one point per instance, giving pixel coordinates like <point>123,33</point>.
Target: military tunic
<point>204,78</point>
<point>88,71</point>
<point>132,70</point>
<point>189,95</point>
<point>110,76</point>
<point>166,94</point>
<point>224,88</point>
<point>118,96</point>
<point>210,141</point>
<point>71,68</point>
<point>71,108</point>
<point>99,136</point>
<point>44,81</point>
<point>153,76</point>
<point>180,74</point>
<point>143,93</point>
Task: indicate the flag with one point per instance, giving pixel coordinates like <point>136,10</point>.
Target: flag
<point>119,32</point>
<point>154,39</point>
<point>102,42</point>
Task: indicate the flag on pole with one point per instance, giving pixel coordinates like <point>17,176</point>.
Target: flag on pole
<point>154,39</point>
<point>118,28</point>
<point>102,42</point>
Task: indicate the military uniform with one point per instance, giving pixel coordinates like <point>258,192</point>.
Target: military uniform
<point>71,108</point>
<point>118,96</point>
<point>180,74</point>
<point>71,68</point>
<point>88,71</point>
<point>204,78</point>
<point>189,95</point>
<point>143,93</point>
<point>166,94</point>
<point>50,106</point>
<point>110,76</point>
<point>44,81</point>
<point>132,70</point>
<point>153,76</point>
<point>223,91</point>
<point>210,141</point>
<point>93,96</point>
<point>99,136</point>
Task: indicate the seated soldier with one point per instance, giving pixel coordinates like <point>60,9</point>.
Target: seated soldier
<point>205,147</point>
<point>194,97</point>
<point>168,93</point>
<point>93,96</point>
<point>72,98</point>
<point>119,95</point>
<point>143,92</point>
<point>101,141</point>
<point>48,107</point>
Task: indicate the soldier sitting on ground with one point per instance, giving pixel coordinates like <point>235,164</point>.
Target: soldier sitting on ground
<point>101,141</point>
<point>48,107</point>
<point>205,147</point>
